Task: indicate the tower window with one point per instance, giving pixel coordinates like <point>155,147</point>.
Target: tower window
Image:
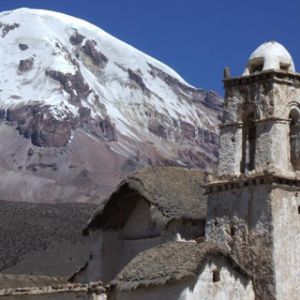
<point>257,68</point>
<point>284,67</point>
<point>295,139</point>
<point>256,65</point>
<point>216,275</point>
<point>232,230</point>
<point>299,209</point>
<point>248,147</point>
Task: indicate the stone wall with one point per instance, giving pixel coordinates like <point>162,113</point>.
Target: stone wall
<point>286,220</point>
<point>230,154</point>
<point>184,230</point>
<point>259,224</point>
<point>56,296</point>
<point>270,97</point>
<point>68,291</point>
<point>139,225</point>
<point>273,145</point>
<point>241,219</point>
<point>111,250</point>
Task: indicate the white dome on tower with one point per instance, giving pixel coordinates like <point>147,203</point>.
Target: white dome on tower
<point>269,56</point>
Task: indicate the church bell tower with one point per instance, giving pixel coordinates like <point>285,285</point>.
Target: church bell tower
<point>254,200</point>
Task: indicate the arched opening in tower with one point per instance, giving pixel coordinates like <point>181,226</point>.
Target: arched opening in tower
<point>295,139</point>
<point>248,146</point>
<point>256,65</point>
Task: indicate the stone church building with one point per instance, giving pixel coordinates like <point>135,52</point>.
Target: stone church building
<point>253,202</point>
<point>176,234</point>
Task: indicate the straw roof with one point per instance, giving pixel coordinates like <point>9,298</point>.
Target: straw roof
<point>172,192</point>
<point>170,262</point>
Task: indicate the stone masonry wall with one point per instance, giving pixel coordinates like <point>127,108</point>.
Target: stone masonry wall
<point>241,219</point>
<point>271,97</point>
<point>68,291</point>
<point>273,145</point>
<point>230,154</point>
<point>286,220</point>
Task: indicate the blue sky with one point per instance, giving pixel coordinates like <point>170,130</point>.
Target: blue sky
<point>196,38</point>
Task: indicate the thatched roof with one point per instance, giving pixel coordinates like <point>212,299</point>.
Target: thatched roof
<point>22,281</point>
<point>169,262</point>
<point>172,192</point>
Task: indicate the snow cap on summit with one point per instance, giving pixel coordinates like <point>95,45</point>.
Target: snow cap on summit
<point>70,70</point>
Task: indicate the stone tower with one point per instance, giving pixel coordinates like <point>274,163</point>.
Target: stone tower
<point>254,201</point>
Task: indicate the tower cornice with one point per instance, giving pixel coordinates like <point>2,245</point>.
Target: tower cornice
<point>270,119</point>
<point>230,183</point>
<point>276,76</point>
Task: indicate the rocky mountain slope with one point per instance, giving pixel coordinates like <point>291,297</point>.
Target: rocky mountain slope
<point>79,109</point>
<point>43,239</point>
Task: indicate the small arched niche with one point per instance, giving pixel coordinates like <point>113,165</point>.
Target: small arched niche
<point>294,117</point>
<point>249,139</point>
<point>256,65</point>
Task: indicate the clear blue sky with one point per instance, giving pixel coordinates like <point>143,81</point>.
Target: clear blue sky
<point>196,38</point>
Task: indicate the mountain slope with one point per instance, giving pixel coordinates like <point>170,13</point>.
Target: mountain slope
<point>80,109</point>
<point>43,239</point>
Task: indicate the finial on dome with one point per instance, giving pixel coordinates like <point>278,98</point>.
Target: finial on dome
<point>270,55</point>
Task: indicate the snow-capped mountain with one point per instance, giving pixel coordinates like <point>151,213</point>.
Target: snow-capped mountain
<point>80,108</point>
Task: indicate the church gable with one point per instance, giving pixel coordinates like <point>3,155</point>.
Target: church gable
<point>139,224</point>
<point>147,208</point>
<point>172,194</point>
